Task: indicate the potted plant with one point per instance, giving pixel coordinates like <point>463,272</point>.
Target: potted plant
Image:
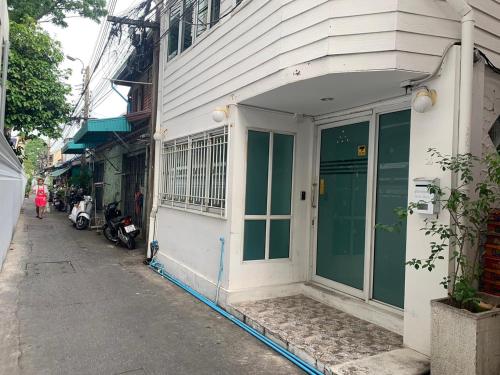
<point>466,324</point>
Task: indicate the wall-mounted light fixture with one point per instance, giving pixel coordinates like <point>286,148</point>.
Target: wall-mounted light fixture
<point>220,114</point>
<point>158,135</point>
<point>424,99</point>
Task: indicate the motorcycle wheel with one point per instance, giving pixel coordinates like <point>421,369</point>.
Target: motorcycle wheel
<point>130,243</point>
<point>81,222</point>
<point>107,233</point>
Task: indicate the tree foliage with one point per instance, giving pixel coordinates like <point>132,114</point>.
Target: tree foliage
<point>56,11</point>
<point>34,151</point>
<point>36,92</point>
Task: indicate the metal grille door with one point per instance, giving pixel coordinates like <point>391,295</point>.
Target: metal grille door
<point>134,188</point>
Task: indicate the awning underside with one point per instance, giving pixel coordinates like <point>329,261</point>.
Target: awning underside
<point>98,131</point>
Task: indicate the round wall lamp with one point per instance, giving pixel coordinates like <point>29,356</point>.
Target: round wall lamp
<point>424,99</point>
<point>219,114</point>
<point>158,135</point>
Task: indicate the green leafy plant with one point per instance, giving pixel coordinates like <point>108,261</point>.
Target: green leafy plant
<point>34,152</point>
<point>469,203</point>
<point>83,179</point>
<point>36,101</point>
<point>56,11</point>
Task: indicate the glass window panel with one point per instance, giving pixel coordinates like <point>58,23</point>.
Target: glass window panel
<point>173,34</point>
<point>392,192</point>
<point>214,12</point>
<point>257,173</point>
<point>254,244</point>
<point>279,241</point>
<point>281,190</point>
<point>188,22</point>
<point>202,16</point>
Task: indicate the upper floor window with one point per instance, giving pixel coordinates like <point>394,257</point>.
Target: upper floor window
<point>188,19</point>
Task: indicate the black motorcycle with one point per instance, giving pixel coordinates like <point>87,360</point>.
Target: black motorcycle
<point>118,228</point>
<point>59,203</point>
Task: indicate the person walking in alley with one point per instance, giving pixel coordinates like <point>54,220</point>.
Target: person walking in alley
<point>41,193</point>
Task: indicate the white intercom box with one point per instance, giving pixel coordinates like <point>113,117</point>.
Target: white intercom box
<point>423,198</point>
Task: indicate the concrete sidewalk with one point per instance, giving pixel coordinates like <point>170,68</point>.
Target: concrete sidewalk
<point>72,303</point>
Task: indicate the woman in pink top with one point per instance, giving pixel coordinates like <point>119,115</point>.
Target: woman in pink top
<point>41,193</point>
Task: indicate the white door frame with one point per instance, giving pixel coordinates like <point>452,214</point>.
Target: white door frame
<point>370,114</point>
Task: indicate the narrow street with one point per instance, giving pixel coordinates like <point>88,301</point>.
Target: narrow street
<point>72,303</point>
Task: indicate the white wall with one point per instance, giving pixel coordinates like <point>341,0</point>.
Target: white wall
<point>12,183</point>
<point>437,129</point>
<point>253,274</point>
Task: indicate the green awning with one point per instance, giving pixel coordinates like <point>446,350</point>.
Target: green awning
<point>59,172</point>
<point>74,148</point>
<point>97,131</point>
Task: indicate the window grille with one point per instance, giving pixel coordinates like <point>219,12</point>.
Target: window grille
<point>194,172</point>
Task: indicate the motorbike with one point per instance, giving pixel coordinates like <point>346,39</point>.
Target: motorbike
<point>75,196</point>
<point>118,228</point>
<point>59,204</point>
<point>80,214</point>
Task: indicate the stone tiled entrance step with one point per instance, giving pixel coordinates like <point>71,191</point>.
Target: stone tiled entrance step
<point>329,339</point>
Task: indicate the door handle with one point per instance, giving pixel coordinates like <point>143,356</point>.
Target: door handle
<point>313,195</point>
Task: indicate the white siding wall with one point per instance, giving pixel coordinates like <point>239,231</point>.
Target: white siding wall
<point>427,26</point>
<point>261,44</point>
<point>257,47</point>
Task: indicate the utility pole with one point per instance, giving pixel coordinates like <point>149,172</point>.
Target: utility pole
<point>86,106</point>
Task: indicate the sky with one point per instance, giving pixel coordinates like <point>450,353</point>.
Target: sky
<point>78,40</point>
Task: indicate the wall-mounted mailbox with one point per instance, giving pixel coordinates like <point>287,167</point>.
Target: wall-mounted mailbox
<point>423,197</point>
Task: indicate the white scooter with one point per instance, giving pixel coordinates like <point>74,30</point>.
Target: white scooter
<point>80,215</point>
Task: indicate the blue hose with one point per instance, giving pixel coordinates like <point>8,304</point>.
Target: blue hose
<point>221,268</point>
<point>159,268</point>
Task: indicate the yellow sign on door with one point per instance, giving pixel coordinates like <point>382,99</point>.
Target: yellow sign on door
<point>322,186</point>
<point>362,150</point>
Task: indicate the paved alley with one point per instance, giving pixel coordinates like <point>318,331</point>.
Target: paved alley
<point>72,303</point>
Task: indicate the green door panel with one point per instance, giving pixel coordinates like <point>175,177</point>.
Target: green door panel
<point>279,240</point>
<point>392,192</point>
<point>342,204</point>
<point>281,189</point>
<point>257,173</point>
<point>254,242</point>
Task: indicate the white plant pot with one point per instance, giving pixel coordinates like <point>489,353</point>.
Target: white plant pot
<point>464,343</point>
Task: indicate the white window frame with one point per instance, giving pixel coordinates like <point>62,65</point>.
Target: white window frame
<point>198,190</point>
<point>268,216</point>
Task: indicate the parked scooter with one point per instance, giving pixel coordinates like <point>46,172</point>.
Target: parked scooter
<point>118,228</point>
<point>59,204</point>
<point>75,197</point>
<point>80,214</point>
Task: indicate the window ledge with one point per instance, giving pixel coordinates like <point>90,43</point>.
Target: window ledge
<point>196,212</point>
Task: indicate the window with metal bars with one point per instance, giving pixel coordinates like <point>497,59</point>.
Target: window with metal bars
<point>194,172</point>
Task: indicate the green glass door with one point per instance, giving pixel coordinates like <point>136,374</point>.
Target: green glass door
<point>391,193</point>
<point>342,204</point>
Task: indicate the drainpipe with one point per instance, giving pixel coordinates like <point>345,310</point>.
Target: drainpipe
<point>466,74</point>
<point>157,132</point>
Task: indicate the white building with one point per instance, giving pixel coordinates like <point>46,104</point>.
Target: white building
<point>317,143</point>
